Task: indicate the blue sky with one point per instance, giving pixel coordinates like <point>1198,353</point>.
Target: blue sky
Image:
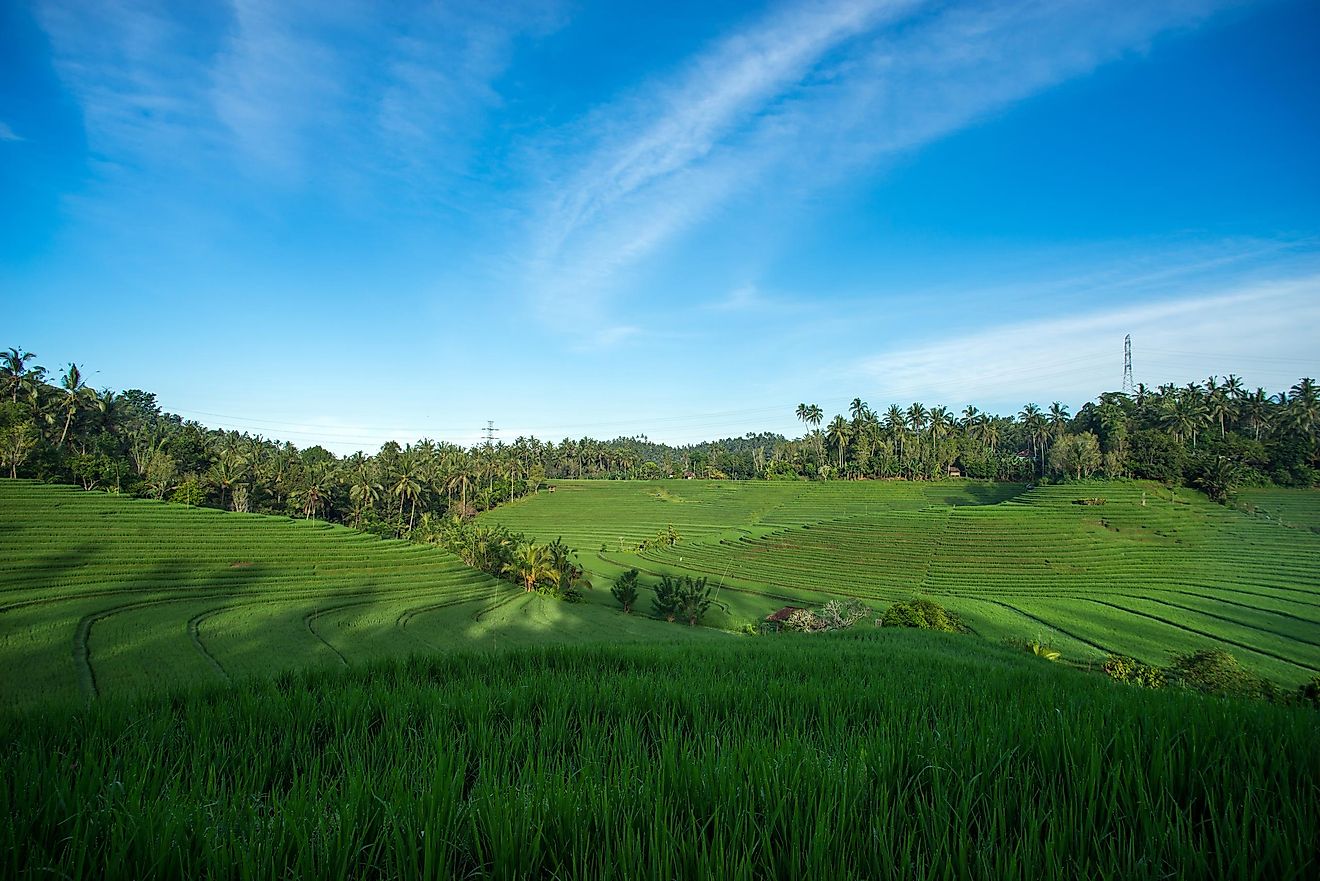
<point>344,222</point>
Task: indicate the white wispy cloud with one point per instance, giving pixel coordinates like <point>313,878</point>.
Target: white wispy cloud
<point>808,96</point>
<point>1265,330</point>
<point>132,68</point>
<point>8,134</point>
<point>288,93</point>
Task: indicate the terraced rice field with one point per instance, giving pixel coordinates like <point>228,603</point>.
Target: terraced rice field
<point>103,594</point>
<point>1144,573</point>
<point>1299,508</point>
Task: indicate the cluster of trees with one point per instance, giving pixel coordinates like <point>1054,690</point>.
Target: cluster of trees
<point>1212,435</point>
<point>680,597</point>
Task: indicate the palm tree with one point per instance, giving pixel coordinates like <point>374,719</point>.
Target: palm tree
<point>1258,408</point>
<point>812,414</point>
<point>840,433</point>
<point>407,486</point>
<point>1218,406</point>
<point>1058,418</point>
<point>227,470</point>
<point>940,420</point>
<point>531,565</point>
<point>74,391</point>
<point>1303,407</point>
<point>1033,423</point>
<point>461,480</point>
<point>896,425</point>
<point>13,365</point>
<point>365,490</point>
<point>316,495</point>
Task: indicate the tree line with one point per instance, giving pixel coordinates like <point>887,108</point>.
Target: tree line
<point>1214,435</point>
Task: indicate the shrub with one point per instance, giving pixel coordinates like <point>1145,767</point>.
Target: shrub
<point>693,599</point>
<point>841,614</point>
<point>802,621</point>
<point>1041,650</point>
<point>665,601</point>
<point>922,614</point>
<point>1309,694</point>
<point>625,589</point>
<point>1124,669</point>
<point>1213,671</point>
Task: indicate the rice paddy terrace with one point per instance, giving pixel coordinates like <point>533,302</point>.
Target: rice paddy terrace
<point>102,594</point>
<point>1092,567</point>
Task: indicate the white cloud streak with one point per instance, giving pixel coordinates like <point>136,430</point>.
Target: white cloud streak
<point>292,93</point>
<point>1266,331</point>
<point>805,98</point>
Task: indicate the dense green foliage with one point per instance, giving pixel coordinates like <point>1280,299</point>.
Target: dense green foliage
<point>871,755</point>
<point>624,589</point>
<point>922,614</point>
<point>1149,573</point>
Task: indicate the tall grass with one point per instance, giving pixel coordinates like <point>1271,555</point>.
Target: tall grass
<point>869,755</point>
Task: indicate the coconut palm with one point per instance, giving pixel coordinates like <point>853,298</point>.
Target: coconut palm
<point>13,366</point>
<point>1035,428</point>
<point>840,432</point>
<point>1058,418</point>
<point>75,390</point>
<point>1303,407</point>
<point>531,565</point>
<point>407,486</point>
<point>1258,407</point>
<point>365,491</point>
<point>940,420</point>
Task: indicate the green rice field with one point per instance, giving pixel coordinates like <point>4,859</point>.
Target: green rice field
<point>194,694</point>
<point>1298,508</point>
<point>1093,568</point>
<point>869,754</point>
<point>102,594</point>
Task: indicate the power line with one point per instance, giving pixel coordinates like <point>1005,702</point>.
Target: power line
<point>489,434</point>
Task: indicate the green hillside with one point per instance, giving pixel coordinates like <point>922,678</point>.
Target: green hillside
<point>1299,508</point>
<point>101,594</point>
<point>1092,567</point>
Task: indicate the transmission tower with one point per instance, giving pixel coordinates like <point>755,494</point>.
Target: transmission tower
<point>1127,365</point>
<point>489,434</point>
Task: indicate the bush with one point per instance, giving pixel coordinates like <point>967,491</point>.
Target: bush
<point>1042,650</point>
<point>922,614</point>
<point>693,599</point>
<point>625,589</point>
<point>665,601</point>
<point>1213,671</point>
<point>802,621</point>
<point>1309,694</point>
<point>841,614</point>
<point>1124,669</point>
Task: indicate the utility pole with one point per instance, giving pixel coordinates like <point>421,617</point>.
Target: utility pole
<point>1127,365</point>
<point>489,436</point>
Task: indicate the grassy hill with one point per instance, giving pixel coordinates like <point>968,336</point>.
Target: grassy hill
<point>1298,508</point>
<point>101,594</point>
<point>1091,567</point>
